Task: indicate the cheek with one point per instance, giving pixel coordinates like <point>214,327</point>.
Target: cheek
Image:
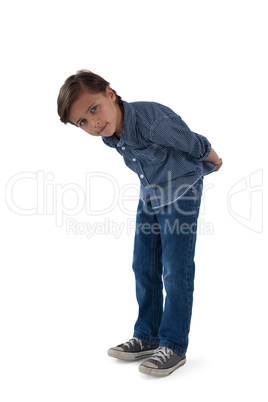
<point>114,114</point>
<point>87,130</point>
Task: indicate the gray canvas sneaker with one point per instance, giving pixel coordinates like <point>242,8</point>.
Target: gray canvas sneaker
<point>134,349</point>
<point>163,362</point>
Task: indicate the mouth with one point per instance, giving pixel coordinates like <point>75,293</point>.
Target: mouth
<point>103,128</point>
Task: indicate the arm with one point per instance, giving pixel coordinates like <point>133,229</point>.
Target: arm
<point>172,131</point>
<point>214,158</point>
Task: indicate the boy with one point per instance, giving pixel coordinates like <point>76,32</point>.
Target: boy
<point>170,161</point>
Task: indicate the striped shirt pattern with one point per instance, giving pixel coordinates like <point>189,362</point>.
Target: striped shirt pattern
<point>166,155</point>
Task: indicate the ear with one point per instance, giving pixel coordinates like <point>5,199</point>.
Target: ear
<point>110,93</point>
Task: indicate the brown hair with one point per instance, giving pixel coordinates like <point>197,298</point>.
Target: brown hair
<point>83,80</point>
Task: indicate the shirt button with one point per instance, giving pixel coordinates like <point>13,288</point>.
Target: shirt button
<point>134,159</point>
<point>123,148</point>
<point>141,176</point>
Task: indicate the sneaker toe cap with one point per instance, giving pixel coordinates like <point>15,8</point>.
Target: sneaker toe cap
<point>149,364</point>
<point>114,350</point>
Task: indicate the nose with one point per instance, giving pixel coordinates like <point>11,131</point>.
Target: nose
<point>96,123</point>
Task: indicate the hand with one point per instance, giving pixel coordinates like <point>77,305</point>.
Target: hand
<point>218,165</point>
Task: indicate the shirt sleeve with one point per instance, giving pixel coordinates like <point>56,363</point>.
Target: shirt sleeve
<point>171,131</point>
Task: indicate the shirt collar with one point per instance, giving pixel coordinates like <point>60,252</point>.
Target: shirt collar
<point>128,134</point>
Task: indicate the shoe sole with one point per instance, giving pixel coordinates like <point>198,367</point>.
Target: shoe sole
<point>129,356</point>
<point>158,372</point>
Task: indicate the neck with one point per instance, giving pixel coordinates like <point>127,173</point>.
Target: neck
<point>120,121</point>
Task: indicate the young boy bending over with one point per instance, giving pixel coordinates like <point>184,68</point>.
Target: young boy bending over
<point>170,161</point>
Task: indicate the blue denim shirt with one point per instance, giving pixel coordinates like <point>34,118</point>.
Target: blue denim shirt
<point>166,155</point>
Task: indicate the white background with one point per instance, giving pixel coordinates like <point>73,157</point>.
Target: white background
<point>66,298</point>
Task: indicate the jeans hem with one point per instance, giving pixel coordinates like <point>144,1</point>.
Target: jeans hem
<point>172,346</point>
<point>145,338</point>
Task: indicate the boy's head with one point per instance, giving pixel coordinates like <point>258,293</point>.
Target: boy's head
<point>87,101</point>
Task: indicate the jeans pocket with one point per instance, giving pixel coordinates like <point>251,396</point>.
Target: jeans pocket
<point>191,199</point>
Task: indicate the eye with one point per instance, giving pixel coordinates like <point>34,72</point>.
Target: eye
<point>93,109</point>
<point>82,122</point>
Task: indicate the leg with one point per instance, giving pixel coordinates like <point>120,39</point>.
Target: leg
<point>178,223</point>
<point>147,267</point>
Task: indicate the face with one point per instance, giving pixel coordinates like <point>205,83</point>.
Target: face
<point>97,114</point>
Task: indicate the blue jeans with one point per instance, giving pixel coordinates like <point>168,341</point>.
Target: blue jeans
<point>164,253</point>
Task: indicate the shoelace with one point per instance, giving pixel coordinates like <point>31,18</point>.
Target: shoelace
<point>132,342</point>
<point>162,354</point>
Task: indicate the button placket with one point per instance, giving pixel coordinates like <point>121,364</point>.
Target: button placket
<point>138,168</point>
